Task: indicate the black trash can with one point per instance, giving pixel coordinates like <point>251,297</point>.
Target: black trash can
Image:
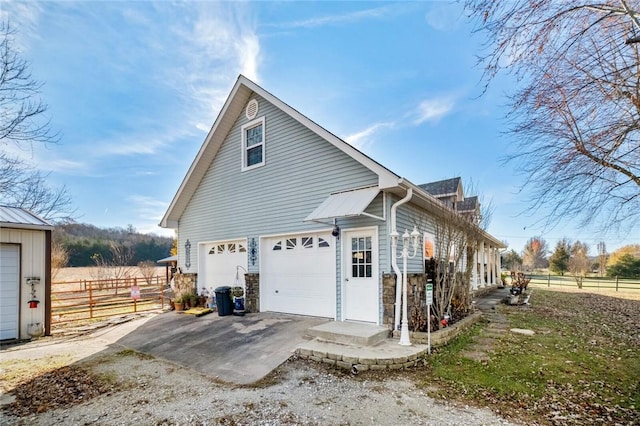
<point>223,301</point>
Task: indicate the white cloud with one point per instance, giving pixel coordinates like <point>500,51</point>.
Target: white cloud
<point>212,45</point>
<point>148,208</point>
<point>23,18</point>
<point>362,139</point>
<point>433,110</point>
<point>346,18</point>
<point>149,212</point>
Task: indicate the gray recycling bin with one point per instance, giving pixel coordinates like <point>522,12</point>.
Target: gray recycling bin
<point>223,301</point>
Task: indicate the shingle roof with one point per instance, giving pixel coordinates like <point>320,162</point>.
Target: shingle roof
<point>469,204</point>
<point>442,187</point>
<point>16,217</point>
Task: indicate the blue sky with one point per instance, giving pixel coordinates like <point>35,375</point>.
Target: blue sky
<point>133,88</point>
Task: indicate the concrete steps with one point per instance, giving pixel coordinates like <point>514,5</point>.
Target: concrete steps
<point>349,333</point>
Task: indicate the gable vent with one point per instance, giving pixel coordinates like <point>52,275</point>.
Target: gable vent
<point>252,109</point>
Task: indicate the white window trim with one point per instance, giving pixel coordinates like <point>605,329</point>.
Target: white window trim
<point>249,125</point>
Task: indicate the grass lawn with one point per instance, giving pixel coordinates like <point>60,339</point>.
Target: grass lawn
<point>582,366</point>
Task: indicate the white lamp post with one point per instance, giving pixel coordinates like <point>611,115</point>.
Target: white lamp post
<point>404,254</point>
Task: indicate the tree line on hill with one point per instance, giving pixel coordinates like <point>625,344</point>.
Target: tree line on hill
<point>574,258</point>
<point>87,245</point>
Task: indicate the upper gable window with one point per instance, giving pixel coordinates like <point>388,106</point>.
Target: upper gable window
<point>253,144</point>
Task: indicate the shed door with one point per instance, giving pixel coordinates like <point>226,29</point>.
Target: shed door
<point>298,274</point>
<point>9,290</point>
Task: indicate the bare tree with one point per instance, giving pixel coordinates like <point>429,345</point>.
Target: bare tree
<point>22,123</point>
<point>576,114</point>
<point>579,263</point>
<point>485,213</point>
<point>22,119</point>
<point>148,270</point>
<point>456,239</point>
<point>59,258</point>
<point>535,253</point>
<point>121,257</point>
<point>118,267</point>
<point>23,186</point>
<point>602,258</point>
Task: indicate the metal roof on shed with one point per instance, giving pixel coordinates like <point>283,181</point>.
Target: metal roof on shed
<point>19,218</point>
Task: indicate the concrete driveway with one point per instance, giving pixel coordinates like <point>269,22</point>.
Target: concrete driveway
<point>234,349</point>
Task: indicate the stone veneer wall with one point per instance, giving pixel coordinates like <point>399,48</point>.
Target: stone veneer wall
<point>444,335</point>
<point>184,283</point>
<point>415,295</point>
<point>252,292</point>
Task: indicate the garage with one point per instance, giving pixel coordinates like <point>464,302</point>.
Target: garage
<point>298,274</point>
<point>221,262</point>
<point>25,257</point>
<point>9,290</point>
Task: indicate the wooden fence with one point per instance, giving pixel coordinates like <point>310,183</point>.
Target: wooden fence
<point>614,283</point>
<point>86,300</point>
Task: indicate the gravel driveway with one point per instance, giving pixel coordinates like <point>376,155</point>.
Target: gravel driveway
<point>142,390</point>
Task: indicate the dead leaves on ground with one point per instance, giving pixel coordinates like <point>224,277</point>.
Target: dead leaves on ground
<point>59,388</point>
<point>581,367</point>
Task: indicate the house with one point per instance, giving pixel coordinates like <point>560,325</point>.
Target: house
<point>451,194</point>
<point>275,202</point>
<point>25,274</point>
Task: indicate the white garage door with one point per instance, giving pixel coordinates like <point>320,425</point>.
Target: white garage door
<point>298,274</point>
<point>219,262</point>
<point>9,290</point>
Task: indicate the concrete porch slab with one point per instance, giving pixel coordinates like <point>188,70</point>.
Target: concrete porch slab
<point>349,333</point>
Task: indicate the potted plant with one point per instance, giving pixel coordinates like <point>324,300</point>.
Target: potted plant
<point>194,300</point>
<point>178,302</point>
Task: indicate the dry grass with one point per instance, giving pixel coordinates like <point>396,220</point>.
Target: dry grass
<point>93,272</point>
<point>610,292</point>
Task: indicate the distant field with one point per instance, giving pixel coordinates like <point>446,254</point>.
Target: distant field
<point>627,288</point>
<point>94,273</point>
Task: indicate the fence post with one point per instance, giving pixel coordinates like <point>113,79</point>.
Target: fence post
<point>135,301</point>
<point>90,299</point>
<point>161,285</point>
<point>616,283</point>
<point>548,280</point>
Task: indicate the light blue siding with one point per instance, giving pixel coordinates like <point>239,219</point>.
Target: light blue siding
<point>301,170</point>
<point>408,216</point>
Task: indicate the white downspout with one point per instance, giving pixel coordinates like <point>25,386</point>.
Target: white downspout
<point>394,262</point>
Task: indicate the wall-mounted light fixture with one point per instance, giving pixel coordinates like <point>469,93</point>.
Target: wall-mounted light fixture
<point>336,229</point>
<point>187,254</point>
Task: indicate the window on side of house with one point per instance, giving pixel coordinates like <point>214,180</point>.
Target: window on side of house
<point>253,143</point>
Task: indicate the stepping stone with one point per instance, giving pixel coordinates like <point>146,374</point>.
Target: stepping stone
<point>523,331</point>
<point>483,348</point>
<point>496,334</point>
<point>476,356</point>
<point>481,340</point>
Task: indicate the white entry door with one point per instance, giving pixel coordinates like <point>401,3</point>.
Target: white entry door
<point>9,290</point>
<point>361,283</point>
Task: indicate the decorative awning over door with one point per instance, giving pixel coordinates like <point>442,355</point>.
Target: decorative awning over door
<point>345,204</point>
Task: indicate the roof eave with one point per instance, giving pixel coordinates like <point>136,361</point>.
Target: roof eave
<point>440,209</point>
<point>27,226</point>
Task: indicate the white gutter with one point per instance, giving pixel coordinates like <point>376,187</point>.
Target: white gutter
<point>394,262</point>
